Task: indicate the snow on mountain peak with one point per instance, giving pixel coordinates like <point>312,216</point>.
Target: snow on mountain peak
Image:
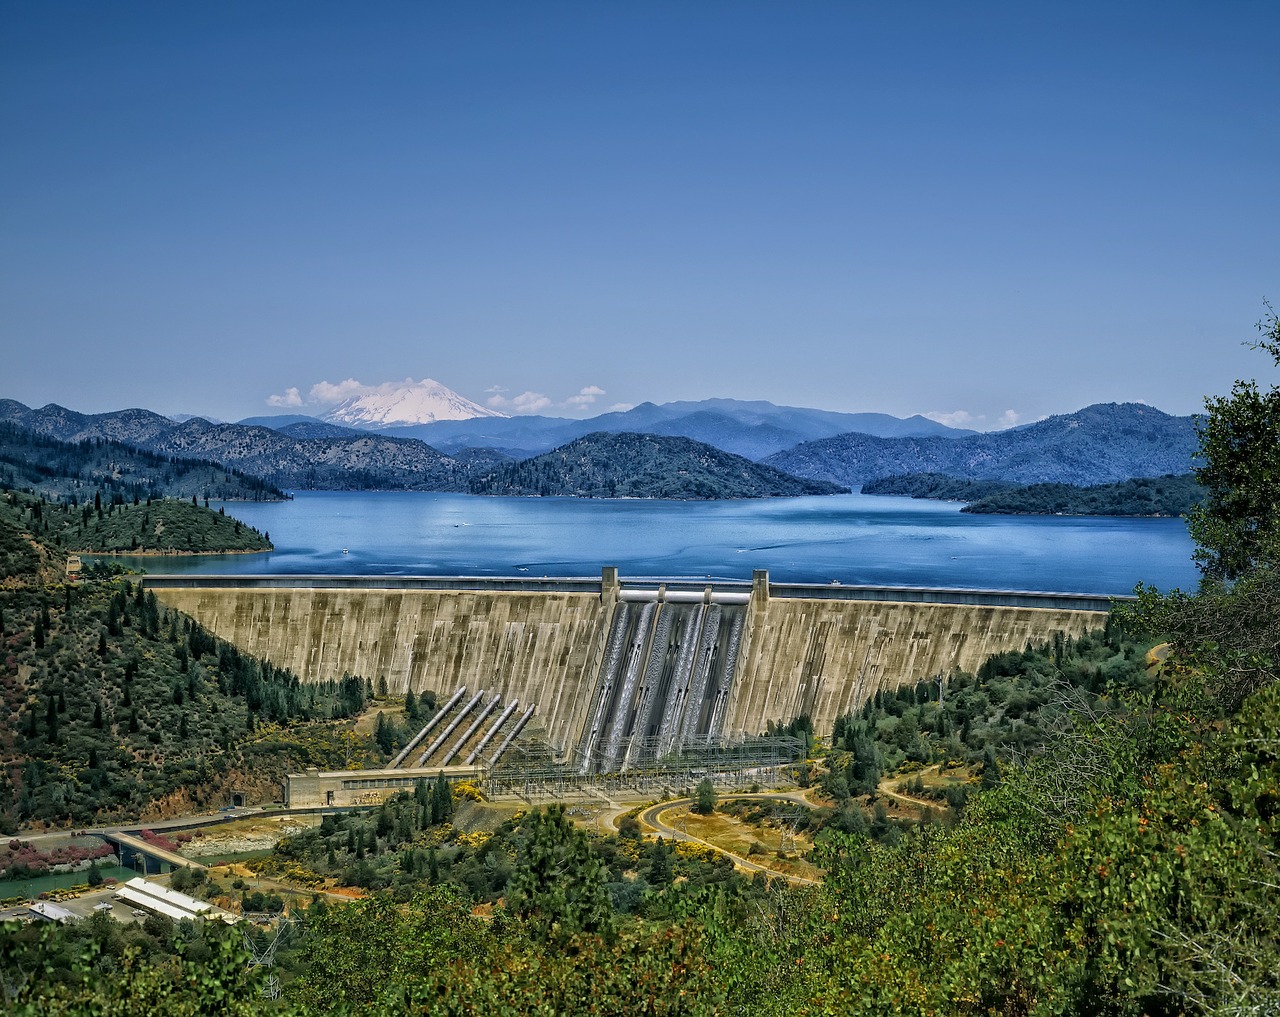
<point>407,402</point>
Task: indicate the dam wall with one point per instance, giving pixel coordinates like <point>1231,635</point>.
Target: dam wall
<point>828,657</point>
<point>534,647</point>
<point>564,646</point>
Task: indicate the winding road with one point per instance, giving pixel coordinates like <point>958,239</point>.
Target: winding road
<point>652,817</point>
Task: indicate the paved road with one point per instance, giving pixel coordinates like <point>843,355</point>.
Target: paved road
<point>652,816</point>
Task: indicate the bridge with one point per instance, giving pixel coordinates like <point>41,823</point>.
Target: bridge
<point>610,672</point>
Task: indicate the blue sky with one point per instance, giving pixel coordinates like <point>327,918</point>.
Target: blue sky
<point>960,209</point>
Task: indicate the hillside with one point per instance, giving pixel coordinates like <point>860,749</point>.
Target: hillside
<point>328,460</point>
<point>114,707</point>
<point>935,487</point>
<point>1099,444</point>
<point>159,527</point>
<point>1144,496</point>
<point>33,530</point>
<point>60,469</point>
<point>354,462</point>
<point>644,466</point>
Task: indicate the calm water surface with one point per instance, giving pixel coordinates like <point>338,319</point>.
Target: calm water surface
<point>855,539</point>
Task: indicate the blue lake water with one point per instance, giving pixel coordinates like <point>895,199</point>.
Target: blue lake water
<point>854,539</point>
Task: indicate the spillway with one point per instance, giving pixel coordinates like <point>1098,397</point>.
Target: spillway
<point>651,699</point>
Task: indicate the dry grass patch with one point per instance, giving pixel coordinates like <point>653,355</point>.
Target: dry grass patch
<point>738,837</point>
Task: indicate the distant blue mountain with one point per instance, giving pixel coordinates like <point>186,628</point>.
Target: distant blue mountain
<point>754,429</point>
<point>1100,444</point>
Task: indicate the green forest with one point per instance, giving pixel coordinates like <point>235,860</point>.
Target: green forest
<point>1143,496</point>
<point>114,707</point>
<point>114,526</point>
<point>1109,845</point>
<point>604,465</point>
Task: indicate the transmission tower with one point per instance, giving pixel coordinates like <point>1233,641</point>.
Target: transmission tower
<point>262,950</point>
<point>788,819</point>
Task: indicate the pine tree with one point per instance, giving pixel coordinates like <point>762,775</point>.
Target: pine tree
<point>441,801</point>
<point>559,884</point>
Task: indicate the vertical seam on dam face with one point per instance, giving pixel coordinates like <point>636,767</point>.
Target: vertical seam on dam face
<point>615,674</point>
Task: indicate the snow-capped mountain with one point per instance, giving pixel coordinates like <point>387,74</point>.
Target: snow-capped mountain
<point>396,404</point>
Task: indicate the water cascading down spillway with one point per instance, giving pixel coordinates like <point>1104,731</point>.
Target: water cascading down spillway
<point>664,678</point>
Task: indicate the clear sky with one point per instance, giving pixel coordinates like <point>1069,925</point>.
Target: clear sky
<point>963,209</point>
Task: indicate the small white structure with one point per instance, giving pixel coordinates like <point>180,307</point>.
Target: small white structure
<point>51,912</point>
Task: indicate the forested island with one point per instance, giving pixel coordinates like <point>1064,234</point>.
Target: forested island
<point>606,465</point>
<point>1172,495</point>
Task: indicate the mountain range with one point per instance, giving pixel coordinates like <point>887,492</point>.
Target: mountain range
<point>1098,444</point>
<point>754,429</point>
<point>348,460</point>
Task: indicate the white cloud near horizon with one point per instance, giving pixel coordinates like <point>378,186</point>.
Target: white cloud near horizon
<point>956,418</point>
<point>290,397</point>
<point>524,404</point>
<point>586,396</point>
<point>326,394</point>
<point>976,421</point>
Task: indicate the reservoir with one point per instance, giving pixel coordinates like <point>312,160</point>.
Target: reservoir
<point>850,539</point>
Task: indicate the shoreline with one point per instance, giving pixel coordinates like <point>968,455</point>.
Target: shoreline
<point>167,554</point>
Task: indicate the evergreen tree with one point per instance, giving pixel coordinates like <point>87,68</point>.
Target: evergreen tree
<point>704,798</point>
<point>441,801</point>
<point>558,886</point>
<point>990,769</point>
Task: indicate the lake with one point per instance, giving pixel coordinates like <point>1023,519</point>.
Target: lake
<point>852,539</point>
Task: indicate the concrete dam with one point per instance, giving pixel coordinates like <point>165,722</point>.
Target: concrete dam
<point>615,674</point>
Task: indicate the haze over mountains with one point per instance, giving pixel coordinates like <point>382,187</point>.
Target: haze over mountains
<point>1098,444</point>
